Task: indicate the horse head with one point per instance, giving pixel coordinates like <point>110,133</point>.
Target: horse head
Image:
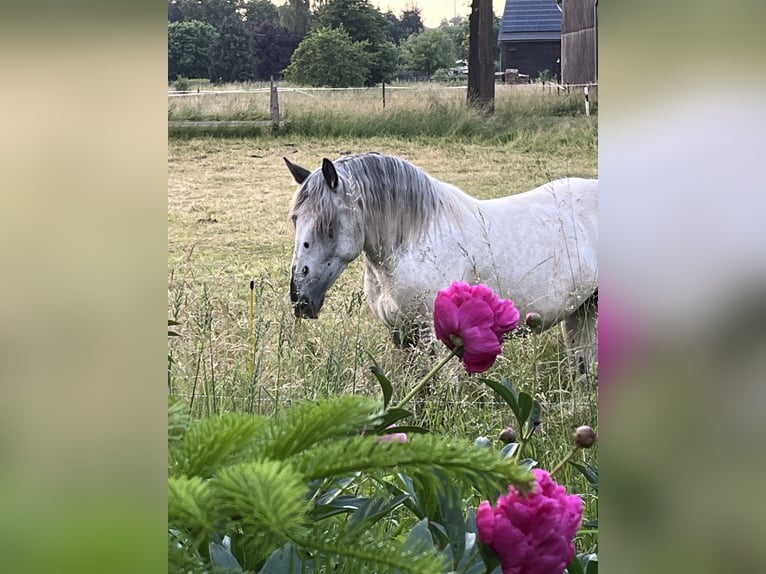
<point>329,234</point>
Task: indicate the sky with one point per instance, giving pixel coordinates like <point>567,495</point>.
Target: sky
<point>432,11</point>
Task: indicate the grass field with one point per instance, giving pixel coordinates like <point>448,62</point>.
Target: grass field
<point>228,199</point>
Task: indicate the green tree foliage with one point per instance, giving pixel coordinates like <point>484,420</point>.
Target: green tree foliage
<point>211,11</point>
<point>174,12</point>
<point>259,11</point>
<point>232,55</point>
<point>457,29</point>
<point>189,44</point>
<point>274,46</point>
<point>309,487</point>
<point>364,23</point>
<point>401,28</point>
<point>295,15</point>
<point>428,51</point>
<point>329,57</point>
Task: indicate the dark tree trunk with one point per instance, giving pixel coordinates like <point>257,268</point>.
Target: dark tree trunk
<point>481,63</point>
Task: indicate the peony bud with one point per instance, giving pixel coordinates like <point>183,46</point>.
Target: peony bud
<point>508,435</point>
<point>483,442</point>
<point>534,321</point>
<point>584,436</point>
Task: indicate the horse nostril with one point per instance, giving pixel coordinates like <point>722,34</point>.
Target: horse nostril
<point>305,270</point>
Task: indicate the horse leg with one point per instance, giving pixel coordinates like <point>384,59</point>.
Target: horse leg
<point>581,335</point>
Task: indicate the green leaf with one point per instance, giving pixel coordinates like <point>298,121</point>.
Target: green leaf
<point>575,566</point>
<point>341,505</point>
<point>284,560</point>
<point>373,509</point>
<point>420,539</point>
<point>590,472</point>
<point>507,393</point>
<point>391,416</point>
<point>385,384</point>
<point>534,416</point>
<point>223,560</point>
<point>451,510</point>
<point>525,408</point>
<point>509,450</point>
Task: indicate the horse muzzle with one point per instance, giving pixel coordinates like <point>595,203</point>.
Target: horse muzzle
<point>302,305</point>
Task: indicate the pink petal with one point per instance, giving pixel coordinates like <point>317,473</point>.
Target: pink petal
<point>445,319</point>
<point>475,313</point>
<point>481,349</point>
<point>485,522</point>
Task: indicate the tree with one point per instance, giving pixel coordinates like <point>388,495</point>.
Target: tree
<point>295,15</point>
<point>428,51</point>
<point>481,63</point>
<point>457,29</point>
<point>211,11</point>
<point>174,12</point>
<point>259,11</point>
<point>329,57</point>
<point>189,44</point>
<point>411,22</point>
<point>364,23</point>
<point>232,57</point>
<point>399,29</point>
<point>274,46</point>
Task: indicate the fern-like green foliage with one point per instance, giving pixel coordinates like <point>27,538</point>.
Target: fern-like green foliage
<point>309,424</point>
<point>355,552</point>
<point>431,458</point>
<point>213,442</point>
<point>266,501</point>
<point>190,505</point>
<point>312,482</point>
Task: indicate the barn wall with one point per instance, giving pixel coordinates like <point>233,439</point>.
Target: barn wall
<point>531,58</point>
<point>579,42</point>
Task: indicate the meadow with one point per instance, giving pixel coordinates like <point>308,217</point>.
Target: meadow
<point>228,198</point>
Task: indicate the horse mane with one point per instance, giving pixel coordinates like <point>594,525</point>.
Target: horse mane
<point>399,200</point>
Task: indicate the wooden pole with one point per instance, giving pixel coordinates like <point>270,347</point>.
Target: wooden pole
<point>587,102</point>
<point>274,105</point>
<point>383,85</point>
<point>251,357</point>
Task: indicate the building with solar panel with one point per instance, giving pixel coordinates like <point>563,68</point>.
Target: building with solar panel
<point>530,38</point>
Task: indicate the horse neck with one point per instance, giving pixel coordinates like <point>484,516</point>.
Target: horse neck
<point>391,226</point>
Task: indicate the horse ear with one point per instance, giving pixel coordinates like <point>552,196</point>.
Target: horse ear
<point>330,175</point>
<point>299,173</point>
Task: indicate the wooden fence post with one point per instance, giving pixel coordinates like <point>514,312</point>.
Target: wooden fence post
<point>274,105</point>
<point>587,102</point>
<point>383,84</point>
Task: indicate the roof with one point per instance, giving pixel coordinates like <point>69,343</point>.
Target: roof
<point>530,20</point>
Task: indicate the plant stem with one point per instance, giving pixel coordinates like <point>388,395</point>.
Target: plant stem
<point>422,382</point>
<point>523,442</point>
<point>560,465</point>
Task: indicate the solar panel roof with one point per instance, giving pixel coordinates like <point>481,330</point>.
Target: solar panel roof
<point>532,19</point>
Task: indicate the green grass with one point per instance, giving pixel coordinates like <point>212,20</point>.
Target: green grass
<point>227,225</point>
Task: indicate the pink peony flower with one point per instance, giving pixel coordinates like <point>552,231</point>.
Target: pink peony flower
<point>532,534</point>
<point>475,318</point>
<point>393,437</point>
